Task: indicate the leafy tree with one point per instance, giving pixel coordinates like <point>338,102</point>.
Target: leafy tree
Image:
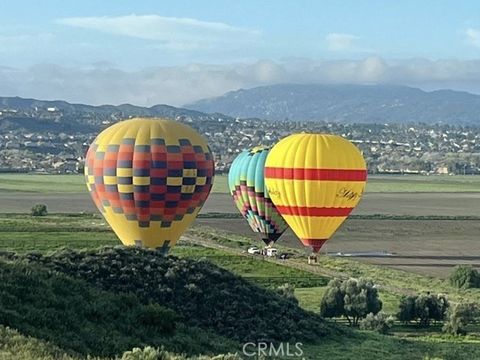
<point>423,308</point>
<point>361,298</point>
<point>332,304</point>
<point>459,316</point>
<point>374,304</point>
<point>39,210</point>
<point>380,322</point>
<point>464,277</point>
<point>352,298</point>
<point>406,311</point>
<point>440,307</point>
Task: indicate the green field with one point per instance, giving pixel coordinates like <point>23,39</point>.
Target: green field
<point>376,183</point>
<point>40,183</point>
<point>419,183</point>
<point>25,233</point>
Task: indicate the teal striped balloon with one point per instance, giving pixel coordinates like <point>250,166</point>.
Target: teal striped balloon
<point>246,182</point>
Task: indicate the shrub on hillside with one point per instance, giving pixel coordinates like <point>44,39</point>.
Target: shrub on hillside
<point>149,353</point>
<point>351,298</point>
<point>459,316</point>
<point>15,346</point>
<point>156,318</point>
<point>287,291</point>
<point>39,210</point>
<point>380,323</point>
<point>464,277</point>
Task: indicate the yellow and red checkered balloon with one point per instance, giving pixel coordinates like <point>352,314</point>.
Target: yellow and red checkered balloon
<point>149,178</point>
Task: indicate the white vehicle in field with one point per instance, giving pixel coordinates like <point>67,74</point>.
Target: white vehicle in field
<point>254,250</point>
<point>271,252</point>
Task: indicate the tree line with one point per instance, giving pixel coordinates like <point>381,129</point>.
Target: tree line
<point>357,300</point>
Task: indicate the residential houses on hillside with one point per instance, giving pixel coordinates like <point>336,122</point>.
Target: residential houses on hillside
<point>387,148</point>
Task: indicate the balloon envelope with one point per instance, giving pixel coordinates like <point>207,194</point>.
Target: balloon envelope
<point>149,178</point>
<point>315,181</point>
<point>247,186</point>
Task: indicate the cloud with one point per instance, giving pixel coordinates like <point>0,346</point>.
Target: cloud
<point>473,37</point>
<point>103,83</point>
<point>340,42</point>
<point>173,33</point>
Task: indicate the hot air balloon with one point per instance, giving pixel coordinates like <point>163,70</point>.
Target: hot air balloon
<point>247,186</point>
<point>149,178</point>
<point>315,181</point>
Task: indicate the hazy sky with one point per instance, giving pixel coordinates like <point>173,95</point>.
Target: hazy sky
<point>149,52</point>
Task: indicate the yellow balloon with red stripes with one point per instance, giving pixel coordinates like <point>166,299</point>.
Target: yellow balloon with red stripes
<point>315,181</point>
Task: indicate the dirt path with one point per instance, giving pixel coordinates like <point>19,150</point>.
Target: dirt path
<point>299,264</point>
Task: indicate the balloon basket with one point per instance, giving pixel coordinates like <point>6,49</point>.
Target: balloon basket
<point>312,259</point>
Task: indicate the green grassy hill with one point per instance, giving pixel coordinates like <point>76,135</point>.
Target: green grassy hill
<point>219,296</point>
<point>104,302</point>
<point>82,319</point>
<point>107,301</point>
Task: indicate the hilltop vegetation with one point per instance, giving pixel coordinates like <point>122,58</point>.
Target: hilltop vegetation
<point>82,319</point>
<point>104,302</point>
<point>202,294</point>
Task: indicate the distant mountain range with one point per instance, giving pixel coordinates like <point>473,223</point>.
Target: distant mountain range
<point>334,103</point>
<point>68,108</point>
<point>61,116</point>
<point>346,103</point>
